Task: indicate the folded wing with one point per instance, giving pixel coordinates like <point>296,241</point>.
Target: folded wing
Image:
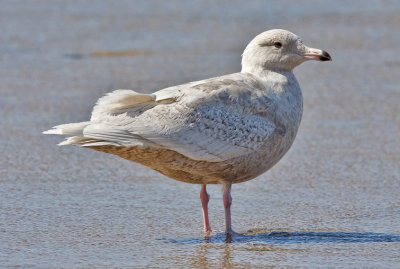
<point>211,120</point>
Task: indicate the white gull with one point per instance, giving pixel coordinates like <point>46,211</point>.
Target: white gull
<point>222,130</point>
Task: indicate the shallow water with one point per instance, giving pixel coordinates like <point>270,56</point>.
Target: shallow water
<point>331,202</point>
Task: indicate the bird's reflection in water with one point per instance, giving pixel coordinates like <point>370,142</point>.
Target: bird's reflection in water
<point>201,259</point>
<point>213,255</point>
<point>226,261</point>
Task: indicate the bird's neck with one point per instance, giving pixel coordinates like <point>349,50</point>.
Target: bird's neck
<point>277,76</point>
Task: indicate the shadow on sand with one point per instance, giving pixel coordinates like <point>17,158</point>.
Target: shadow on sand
<point>291,237</point>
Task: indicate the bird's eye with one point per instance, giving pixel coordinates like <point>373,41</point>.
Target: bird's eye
<point>277,44</point>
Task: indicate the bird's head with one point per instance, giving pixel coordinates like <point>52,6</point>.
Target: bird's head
<point>278,50</point>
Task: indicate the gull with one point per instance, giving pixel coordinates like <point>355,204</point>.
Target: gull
<point>222,130</point>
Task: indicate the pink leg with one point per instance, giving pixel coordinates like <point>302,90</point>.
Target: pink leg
<point>227,204</point>
<point>204,203</point>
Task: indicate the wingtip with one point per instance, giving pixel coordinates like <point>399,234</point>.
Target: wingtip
<point>53,131</point>
<point>63,143</point>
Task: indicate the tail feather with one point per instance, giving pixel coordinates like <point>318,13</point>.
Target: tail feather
<point>74,129</point>
<point>76,140</point>
<point>81,141</point>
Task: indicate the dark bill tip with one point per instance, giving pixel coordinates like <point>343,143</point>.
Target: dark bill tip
<point>325,57</point>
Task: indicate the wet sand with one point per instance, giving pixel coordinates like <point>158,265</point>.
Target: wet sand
<point>333,201</point>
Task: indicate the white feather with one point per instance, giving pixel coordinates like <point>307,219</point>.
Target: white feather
<point>68,129</point>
